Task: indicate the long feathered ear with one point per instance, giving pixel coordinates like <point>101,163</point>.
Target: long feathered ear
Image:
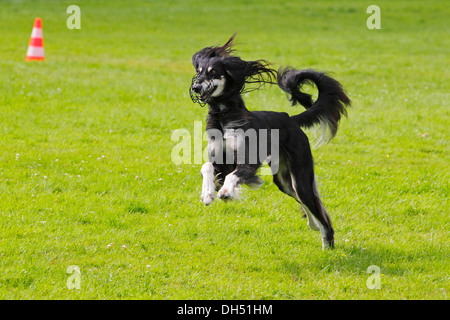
<point>244,72</point>
<point>210,52</point>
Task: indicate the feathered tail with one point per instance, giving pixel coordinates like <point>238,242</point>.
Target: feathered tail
<point>326,111</point>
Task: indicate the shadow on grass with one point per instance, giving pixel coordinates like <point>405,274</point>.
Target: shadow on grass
<point>354,260</point>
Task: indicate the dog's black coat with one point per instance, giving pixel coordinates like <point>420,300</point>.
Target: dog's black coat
<point>295,175</point>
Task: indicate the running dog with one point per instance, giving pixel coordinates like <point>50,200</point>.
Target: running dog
<point>221,79</point>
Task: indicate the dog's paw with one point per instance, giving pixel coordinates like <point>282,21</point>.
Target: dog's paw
<point>208,197</point>
<point>226,193</point>
<point>327,244</point>
<point>230,188</point>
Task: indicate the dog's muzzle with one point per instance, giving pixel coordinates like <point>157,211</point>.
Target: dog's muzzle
<point>201,92</point>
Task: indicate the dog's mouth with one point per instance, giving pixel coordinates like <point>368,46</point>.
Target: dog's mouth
<point>205,94</point>
<point>202,93</point>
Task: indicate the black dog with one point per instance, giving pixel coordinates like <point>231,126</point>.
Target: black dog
<point>220,80</point>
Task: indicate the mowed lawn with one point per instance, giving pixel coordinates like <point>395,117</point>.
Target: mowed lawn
<point>87,178</point>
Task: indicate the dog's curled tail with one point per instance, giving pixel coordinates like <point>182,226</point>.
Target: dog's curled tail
<point>330,105</point>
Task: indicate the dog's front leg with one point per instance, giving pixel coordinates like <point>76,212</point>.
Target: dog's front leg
<point>230,187</point>
<point>243,174</point>
<point>208,185</point>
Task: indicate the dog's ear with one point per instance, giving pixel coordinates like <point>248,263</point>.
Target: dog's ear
<point>234,67</point>
<point>242,72</point>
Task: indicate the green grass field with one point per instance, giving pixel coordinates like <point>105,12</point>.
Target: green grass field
<point>86,176</point>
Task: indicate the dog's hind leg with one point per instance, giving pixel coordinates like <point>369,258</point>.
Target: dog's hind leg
<point>295,177</point>
<point>282,179</point>
<point>286,182</point>
<point>208,186</point>
<point>304,184</point>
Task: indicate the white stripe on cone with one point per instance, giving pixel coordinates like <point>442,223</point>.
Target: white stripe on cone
<point>37,33</point>
<point>35,51</point>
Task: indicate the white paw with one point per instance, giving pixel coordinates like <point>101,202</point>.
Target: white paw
<point>230,188</point>
<point>226,193</point>
<point>208,197</point>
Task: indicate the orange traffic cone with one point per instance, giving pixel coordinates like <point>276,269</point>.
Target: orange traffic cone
<point>36,46</point>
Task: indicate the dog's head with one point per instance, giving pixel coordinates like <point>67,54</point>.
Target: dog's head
<point>210,80</point>
<point>220,75</point>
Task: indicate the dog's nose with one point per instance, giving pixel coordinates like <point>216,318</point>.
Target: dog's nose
<point>197,88</point>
